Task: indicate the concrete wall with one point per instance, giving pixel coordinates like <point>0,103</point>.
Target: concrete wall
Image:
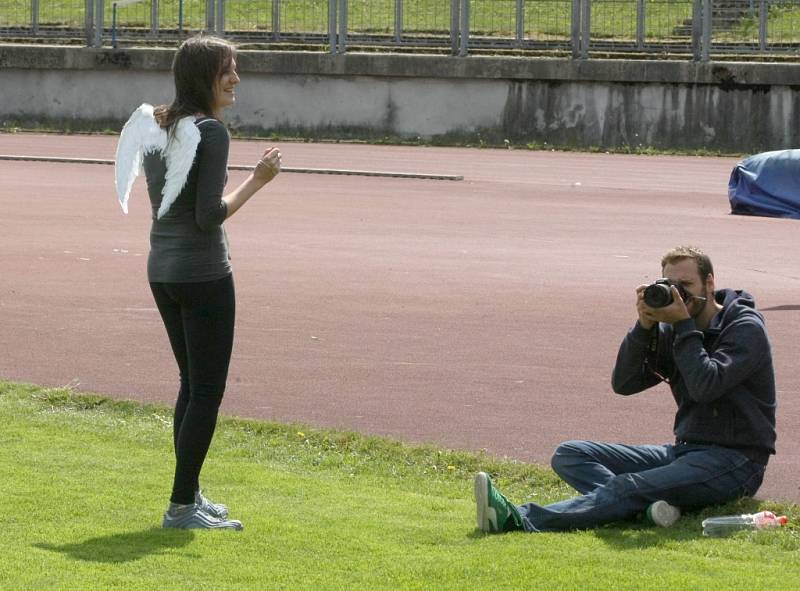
<point>741,107</point>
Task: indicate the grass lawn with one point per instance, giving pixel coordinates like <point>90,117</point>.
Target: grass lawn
<point>85,481</point>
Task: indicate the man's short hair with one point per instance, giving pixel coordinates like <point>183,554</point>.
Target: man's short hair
<point>679,253</point>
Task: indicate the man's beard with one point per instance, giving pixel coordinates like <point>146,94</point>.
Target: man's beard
<point>701,304</point>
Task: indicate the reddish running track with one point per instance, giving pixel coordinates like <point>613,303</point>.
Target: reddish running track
<point>483,314</point>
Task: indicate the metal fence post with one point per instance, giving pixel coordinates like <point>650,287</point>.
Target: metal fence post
<point>276,19</point>
<point>586,27</point>
<point>88,21</point>
<point>575,32</point>
<point>342,45</point>
<point>640,24</point>
<point>398,20</point>
<point>114,25</point>
<point>464,42</point>
<point>705,49</point>
<point>455,19</point>
<point>210,18</point>
<point>520,22</point>
<point>154,18</point>
<point>98,19</point>
<point>220,30</point>
<point>763,14</point>
<point>332,25</point>
<point>35,16</point>
<point>697,29</point>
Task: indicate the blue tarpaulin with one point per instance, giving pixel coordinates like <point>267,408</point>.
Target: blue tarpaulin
<point>767,184</point>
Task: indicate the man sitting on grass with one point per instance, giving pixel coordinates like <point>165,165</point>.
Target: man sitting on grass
<point>711,347</point>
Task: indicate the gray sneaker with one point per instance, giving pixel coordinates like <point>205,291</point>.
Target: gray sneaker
<point>192,517</point>
<point>663,514</point>
<point>214,509</point>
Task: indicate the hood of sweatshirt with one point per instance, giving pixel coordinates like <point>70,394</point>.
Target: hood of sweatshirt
<point>736,304</point>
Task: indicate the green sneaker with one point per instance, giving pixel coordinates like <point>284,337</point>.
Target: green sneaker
<point>495,512</point>
<point>662,514</point>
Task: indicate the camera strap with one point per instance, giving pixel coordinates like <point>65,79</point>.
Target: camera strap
<point>651,354</point>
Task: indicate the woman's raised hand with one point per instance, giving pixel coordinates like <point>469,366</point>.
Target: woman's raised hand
<point>268,166</point>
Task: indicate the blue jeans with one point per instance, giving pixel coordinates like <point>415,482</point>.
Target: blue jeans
<point>618,482</point>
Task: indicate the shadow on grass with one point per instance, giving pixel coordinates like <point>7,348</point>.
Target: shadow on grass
<point>477,534</point>
<point>689,527</point>
<point>123,547</point>
<point>647,537</point>
<point>635,534</point>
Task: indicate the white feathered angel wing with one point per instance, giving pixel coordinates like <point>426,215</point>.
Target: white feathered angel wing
<point>130,148</point>
<point>180,153</point>
<point>142,135</point>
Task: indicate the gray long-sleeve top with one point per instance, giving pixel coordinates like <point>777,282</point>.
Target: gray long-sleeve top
<point>188,243</point>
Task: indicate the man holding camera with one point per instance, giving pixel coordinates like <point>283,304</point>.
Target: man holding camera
<point>711,347</point>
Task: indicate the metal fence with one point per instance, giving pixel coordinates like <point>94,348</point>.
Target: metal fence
<point>581,28</point>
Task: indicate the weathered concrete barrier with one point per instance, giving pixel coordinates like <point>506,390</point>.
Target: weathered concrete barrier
<point>740,107</point>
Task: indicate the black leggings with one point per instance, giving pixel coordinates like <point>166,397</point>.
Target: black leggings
<point>199,318</point>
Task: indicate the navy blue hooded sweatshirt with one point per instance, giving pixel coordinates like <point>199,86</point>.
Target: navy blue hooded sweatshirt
<point>721,378</point>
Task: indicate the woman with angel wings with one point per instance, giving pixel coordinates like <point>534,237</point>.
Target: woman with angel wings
<point>183,148</point>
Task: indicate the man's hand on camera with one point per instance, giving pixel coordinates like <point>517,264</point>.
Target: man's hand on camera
<point>674,312</point>
<point>646,318</point>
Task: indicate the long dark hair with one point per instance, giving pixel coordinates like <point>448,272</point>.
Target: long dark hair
<point>197,67</point>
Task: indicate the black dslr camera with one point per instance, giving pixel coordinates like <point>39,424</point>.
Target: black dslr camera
<point>659,293</point>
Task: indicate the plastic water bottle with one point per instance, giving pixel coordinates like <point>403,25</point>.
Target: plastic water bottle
<point>717,527</point>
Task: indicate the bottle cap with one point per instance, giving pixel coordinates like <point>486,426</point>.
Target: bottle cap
<point>783,520</point>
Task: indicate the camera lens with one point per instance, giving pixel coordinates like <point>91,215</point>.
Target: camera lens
<point>658,295</point>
